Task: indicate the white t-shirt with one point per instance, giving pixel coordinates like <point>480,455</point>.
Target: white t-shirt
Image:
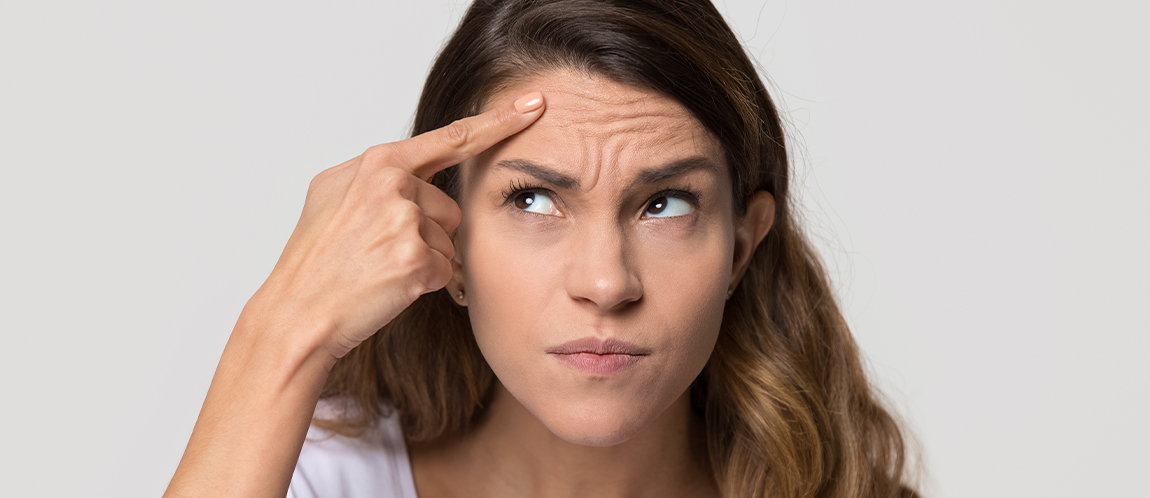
<point>334,466</point>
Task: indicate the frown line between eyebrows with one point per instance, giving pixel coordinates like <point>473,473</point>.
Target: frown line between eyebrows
<point>645,177</point>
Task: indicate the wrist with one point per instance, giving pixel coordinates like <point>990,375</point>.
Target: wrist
<point>294,334</point>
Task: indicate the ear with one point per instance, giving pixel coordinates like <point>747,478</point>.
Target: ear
<point>455,286</point>
<point>749,232</point>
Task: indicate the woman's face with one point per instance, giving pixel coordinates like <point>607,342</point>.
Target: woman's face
<point>608,219</point>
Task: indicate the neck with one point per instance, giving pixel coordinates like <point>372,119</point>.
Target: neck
<point>509,452</point>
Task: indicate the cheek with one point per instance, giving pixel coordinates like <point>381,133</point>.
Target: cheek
<point>510,285</point>
<point>686,288</point>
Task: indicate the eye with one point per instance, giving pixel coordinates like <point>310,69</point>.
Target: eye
<point>535,202</point>
<point>666,207</point>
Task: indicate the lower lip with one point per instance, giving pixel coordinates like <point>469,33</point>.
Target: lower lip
<point>598,363</point>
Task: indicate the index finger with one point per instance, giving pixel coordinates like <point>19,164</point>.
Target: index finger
<point>423,155</point>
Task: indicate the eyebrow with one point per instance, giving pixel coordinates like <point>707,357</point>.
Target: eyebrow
<point>646,176</point>
<point>540,172</point>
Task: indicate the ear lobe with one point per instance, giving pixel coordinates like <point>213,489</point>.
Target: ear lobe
<point>749,232</point>
<point>455,286</point>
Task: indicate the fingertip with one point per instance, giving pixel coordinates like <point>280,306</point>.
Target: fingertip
<point>530,102</point>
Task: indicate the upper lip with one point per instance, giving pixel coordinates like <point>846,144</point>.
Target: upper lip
<point>596,345</point>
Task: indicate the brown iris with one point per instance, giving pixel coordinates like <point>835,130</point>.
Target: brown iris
<point>657,206</point>
<point>524,200</point>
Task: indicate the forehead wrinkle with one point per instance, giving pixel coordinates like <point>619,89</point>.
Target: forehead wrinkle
<point>608,146</point>
<point>605,124</point>
<point>592,156</point>
<point>593,127</point>
<point>623,157</point>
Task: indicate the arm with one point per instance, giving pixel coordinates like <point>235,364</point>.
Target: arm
<point>373,213</point>
<point>256,414</point>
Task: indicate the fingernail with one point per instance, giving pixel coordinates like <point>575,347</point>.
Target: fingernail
<point>529,102</point>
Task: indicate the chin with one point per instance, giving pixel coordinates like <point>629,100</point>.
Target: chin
<point>595,423</point>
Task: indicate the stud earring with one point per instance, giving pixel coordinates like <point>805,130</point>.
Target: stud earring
<point>459,295</point>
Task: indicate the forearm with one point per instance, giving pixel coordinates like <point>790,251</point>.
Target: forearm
<point>252,425</point>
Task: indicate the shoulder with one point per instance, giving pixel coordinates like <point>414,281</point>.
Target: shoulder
<point>335,466</point>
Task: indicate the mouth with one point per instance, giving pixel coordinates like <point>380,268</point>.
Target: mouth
<point>598,356</point>
<point>597,346</point>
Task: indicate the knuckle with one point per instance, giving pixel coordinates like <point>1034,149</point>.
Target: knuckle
<point>415,250</point>
<point>393,180</point>
<point>502,117</point>
<point>408,214</point>
<point>378,155</point>
<point>410,252</point>
<point>458,134</point>
<point>394,175</point>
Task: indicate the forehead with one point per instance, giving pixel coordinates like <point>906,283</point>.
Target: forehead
<point>594,127</point>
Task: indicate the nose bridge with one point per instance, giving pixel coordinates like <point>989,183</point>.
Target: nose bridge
<point>603,270</point>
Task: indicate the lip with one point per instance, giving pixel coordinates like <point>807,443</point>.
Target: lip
<point>598,356</point>
<point>595,345</point>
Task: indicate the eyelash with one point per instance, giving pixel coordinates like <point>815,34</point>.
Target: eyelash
<point>684,192</point>
<point>517,187</point>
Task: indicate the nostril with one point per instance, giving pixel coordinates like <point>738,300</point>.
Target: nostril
<point>606,293</point>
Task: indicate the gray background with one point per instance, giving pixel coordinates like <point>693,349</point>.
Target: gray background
<point>974,173</point>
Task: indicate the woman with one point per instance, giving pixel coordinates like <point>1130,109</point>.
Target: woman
<point>586,277</point>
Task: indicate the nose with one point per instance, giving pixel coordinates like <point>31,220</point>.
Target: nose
<point>602,274</point>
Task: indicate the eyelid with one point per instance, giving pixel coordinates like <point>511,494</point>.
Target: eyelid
<point>519,186</point>
<point>684,193</point>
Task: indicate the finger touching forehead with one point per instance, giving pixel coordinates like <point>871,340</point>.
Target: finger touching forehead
<point>597,130</point>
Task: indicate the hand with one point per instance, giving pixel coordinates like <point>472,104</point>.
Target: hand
<point>374,234</point>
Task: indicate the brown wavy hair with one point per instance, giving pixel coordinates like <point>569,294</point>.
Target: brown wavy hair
<point>784,396</point>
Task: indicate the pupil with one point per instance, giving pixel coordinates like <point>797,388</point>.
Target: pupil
<point>524,200</point>
<point>658,206</point>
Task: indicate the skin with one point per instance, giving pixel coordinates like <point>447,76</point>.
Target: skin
<point>374,236</point>
<point>606,259</point>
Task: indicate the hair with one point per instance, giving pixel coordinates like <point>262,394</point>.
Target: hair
<point>784,396</point>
